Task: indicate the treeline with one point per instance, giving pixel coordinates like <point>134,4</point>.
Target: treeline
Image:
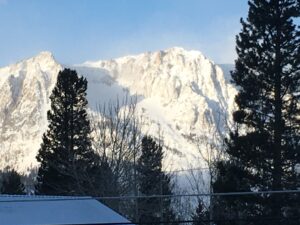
<point>11,182</point>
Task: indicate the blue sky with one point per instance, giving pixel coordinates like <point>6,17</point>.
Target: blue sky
<point>80,30</point>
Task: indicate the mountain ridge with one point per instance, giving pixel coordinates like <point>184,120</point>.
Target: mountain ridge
<point>181,92</point>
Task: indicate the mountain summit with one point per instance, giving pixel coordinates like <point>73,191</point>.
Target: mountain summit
<point>180,92</point>
<point>24,100</point>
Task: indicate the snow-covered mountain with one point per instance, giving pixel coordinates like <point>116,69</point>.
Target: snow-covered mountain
<point>181,93</point>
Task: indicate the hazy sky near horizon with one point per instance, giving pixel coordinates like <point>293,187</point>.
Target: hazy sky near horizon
<point>79,30</point>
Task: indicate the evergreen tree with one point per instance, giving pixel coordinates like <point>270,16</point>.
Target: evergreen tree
<point>11,183</point>
<point>153,181</point>
<point>66,156</point>
<point>263,150</point>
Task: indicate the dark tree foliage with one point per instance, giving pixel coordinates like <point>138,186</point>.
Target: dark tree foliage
<point>102,176</point>
<point>102,182</point>
<point>264,149</point>
<point>153,181</point>
<point>66,156</point>
<point>201,215</point>
<point>11,183</point>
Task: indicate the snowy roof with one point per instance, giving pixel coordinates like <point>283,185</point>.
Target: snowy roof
<point>39,210</point>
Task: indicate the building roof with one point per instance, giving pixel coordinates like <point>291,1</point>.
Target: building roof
<point>39,210</point>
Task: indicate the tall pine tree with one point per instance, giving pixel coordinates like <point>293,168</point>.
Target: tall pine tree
<point>264,149</point>
<point>66,156</point>
<point>153,181</point>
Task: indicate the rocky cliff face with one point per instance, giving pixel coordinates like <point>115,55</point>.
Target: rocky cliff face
<point>25,88</point>
<point>181,93</point>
